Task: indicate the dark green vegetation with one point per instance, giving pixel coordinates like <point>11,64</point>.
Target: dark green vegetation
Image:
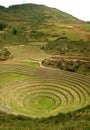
<point>2,26</point>
<point>4,54</point>
<point>77,120</point>
<point>70,55</point>
<point>35,97</point>
<point>72,65</point>
<point>65,46</point>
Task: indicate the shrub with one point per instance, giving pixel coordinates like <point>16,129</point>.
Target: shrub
<point>2,26</point>
<point>14,31</point>
<point>4,54</point>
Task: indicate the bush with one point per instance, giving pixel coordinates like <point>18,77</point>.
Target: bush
<point>2,26</point>
<point>4,54</point>
<point>14,31</point>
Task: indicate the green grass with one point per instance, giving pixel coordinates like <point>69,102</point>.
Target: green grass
<point>6,78</point>
<point>75,120</point>
<point>37,23</point>
<point>86,27</point>
<point>42,103</point>
<point>73,35</point>
<point>28,90</point>
<point>36,96</point>
<point>28,62</point>
<point>24,52</point>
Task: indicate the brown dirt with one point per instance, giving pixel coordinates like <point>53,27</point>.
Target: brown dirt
<point>73,58</point>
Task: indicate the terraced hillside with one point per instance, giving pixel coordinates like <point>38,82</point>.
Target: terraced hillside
<point>34,91</point>
<point>33,96</point>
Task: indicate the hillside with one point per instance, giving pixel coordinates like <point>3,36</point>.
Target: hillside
<point>31,22</point>
<point>44,69</point>
<point>68,55</point>
<point>39,13</point>
<point>65,46</point>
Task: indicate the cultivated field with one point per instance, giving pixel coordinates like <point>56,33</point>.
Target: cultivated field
<point>26,88</point>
